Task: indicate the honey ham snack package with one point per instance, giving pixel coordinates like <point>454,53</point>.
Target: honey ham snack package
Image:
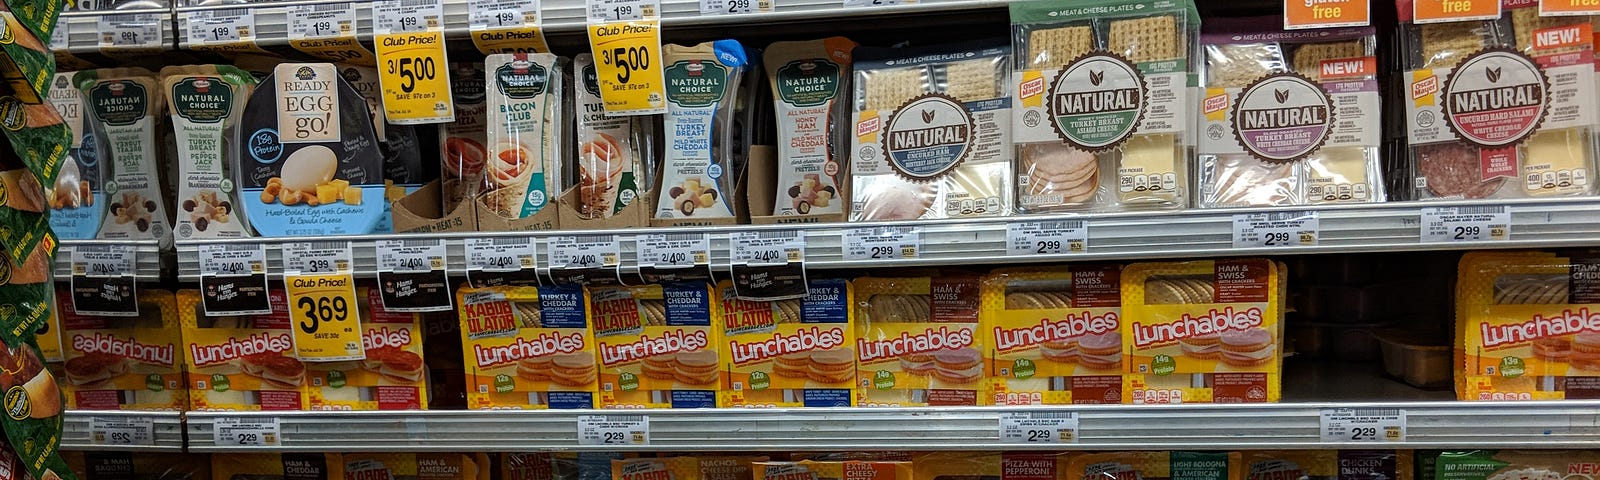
<point>119,363</point>
<point>918,341</point>
<point>1055,334</point>
<point>1154,466</point>
<point>242,363</point>
<point>1205,331</point>
<point>528,348</point>
<point>656,344</point>
<point>1528,326</point>
<point>392,375</point>
<point>811,85</point>
<point>789,353</point>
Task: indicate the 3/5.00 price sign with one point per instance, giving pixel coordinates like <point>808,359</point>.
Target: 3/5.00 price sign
<point>412,66</point>
<point>625,37</point>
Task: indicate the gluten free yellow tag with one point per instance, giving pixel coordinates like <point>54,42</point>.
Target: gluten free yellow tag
<point>416,81</point>
<point>327,323</point>
<point>627,58</point>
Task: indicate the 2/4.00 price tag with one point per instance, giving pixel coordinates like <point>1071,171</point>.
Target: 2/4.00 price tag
<point>1278,229</point>
<point>502,261</point>
<point>584,259</point>
<point>767,248</point>
<point>103,281</point>
<point>613,430</point>
<point>1049,237</point>
<point>233,279</point>
<point>246,432</point>
<point>412,275</point>
<point>674,250</point>
<point>768,265</point>
<point>1465,224</point>
<point>1039,427</point>
<point>1363,425</point>
<point>882,243</point>
<point>127,431</point>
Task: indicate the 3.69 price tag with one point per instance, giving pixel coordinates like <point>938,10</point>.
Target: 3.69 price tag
<point>625,38</point>
<point>322,301</point>
<point>412,66</point>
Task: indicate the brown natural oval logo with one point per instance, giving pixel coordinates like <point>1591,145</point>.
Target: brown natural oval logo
<point>1282,117</point>
<point>1097,101</point>
<point>1496,98</point>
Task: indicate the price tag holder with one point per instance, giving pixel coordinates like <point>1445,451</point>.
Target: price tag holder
<point>734,7</point>
<point>328,31</point>
<point>122,432</point>
<point>768,265</point>
<point>585,259</point>
<point>61,37</point>
<point>625,37</point>
<point>1375,425</point>
<point>1278,229</point>
<point>413,277</point>
<point>1039,427</point>
<point>506,26</point>
<point>882,243</point>
<point>1051,237</point>
<point>1465,224</point>
<point>233,279</point>
<point>225,30</point>
<point>103,281</point>
<point>613,430</point>
<point>502,261</point>
<point>870,3</point>
<point>412,67</point>
<point>322,301</point>
<point>246,432</point>
<point>673,256</point>
<point>125,32</point>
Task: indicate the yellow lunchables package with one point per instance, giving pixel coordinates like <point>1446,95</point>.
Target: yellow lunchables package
<point>657,346</point>
<point>789,353</point>
<point>119,363</point>
<point>832,470</point>
<point>390,378</point>
<point>956,466</point>
<point>669,468</point>
<point>1528,327</point>
<point>1326,465</point>
<point>278,466</point>
<point>527,347</point>
<point>241,363</point>
<point>1055,334</point>
<point>1203,331</point>
<point>917,341</point>
<point>1154,466</point>
<point>415,466</point>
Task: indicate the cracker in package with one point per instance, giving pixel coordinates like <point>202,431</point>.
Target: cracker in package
<point>241,363</point>
<point>278,466</point>
<point>1154,466</point>
<point>124,104</point>
<point>416,466</point>
<point>789,353</point>
<point>527,347</point>
<point>1102,103</point>
<point>932,133</point>
<point>828,470</point>
<point>1515,464</point>
<point>1057,334</point>
<point>1500,108</point>
<point>810,81</point>
<point>1528,327</point>
<point>1326,464</point>
<point>956,466</point>
<point>670,468</point>
<point>124,363</point>
<point>616,162</point>
<point>698,174</point>
<point>917,341</point>
<point>523,168</point>
<point>392,375</point>
<point>1204,331</point>
<point>657,346</point>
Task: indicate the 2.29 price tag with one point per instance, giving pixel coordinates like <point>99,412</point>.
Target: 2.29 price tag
<point>322,301</point>
<point>882,243</point>
<point>1376,425</point>
<point>1047,237</point>
<point>246,432</point>
<point>625,38</point>
<point>412,276</point>
<point>613,430</point>
<point>1039,427</point>
<point>128,431</point>
<point>502,261</point>
<point>412,66</point>
<point>233,279</point>
<point>1465,224</point>
<point>1280,229</point>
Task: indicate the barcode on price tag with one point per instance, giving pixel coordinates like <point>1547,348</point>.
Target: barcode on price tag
<point>130,31</point>
<point>603,11</point>
<point>874,3</point>
<point>613,430</point>
<point>61,37</point>
<point>233,260</point>
<point>121,431</point>
<point>104,261</point>
<point>487,14</point>
<point>402,16</point>
<point>410,256</point>
<point>501,254</point>
<point>734,7</point>
<point>1047,237</point>
<point>1039,427</point>
<point>767,248</point>
<point>1380,425</point>
<point>882,243</point>
<point>1465,224</point>
<point>1277,229</point>
<point>246,432</point>
<point>584,251</point>
<point>326,20</point>
<point>221,26</point>
<point>674,250</point>
<point>316,257</point>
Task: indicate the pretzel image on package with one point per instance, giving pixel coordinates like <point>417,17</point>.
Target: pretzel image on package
<point>1204,331</point>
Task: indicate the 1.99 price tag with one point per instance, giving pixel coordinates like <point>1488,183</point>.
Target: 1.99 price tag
<point>412,66</point>
<point>328,31</point>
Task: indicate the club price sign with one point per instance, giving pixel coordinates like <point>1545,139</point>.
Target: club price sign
<point>328,32</point>
<point>412,66</point>
<point>322,301</point>
<point>506,26</point>
<point>412,276</point>
<point>625,38</point>
<point>233,279</point>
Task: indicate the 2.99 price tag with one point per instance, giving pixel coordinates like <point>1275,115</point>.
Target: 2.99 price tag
<point>1376,425</point>
<point>412,66</point>
<point>129,431</point>
<point>233,279</point>
<point>1280,229</point>
<point>625,38</point>
<point>882,243</point>
<point>103,281</point>
<point>412,276</point>
<point>1047,237</point>
<point>734,7</point>
<point>246,432</point>
<point>502,261</point>
<point>1038,427</point>
<point>1465,224</point>
<point>613,430</point>
<point>322,301</point>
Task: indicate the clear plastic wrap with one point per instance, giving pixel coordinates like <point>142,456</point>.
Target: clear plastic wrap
<point>615,164</point>
<point>700,169</point>
<point>523,169</point>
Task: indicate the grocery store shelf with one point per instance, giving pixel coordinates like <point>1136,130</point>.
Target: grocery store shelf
<point>1111,236</point>
<point>148,260</point>
<point>83,27</point>
<point>78,432</point>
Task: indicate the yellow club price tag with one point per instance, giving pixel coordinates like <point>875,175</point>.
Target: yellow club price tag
<point>328,31</point>
<point>325,316</point>
<point>628,66</point>
<point>510,40</point>
<point>416,81</point>
<point>336,49</point>
<point>506,26</point>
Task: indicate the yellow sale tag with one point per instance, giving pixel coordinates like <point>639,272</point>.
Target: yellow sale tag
<point>510,40</point>
<point>416,82</point>
<point>627,57</point>
<point>325,316</point>
<point>336,49</point>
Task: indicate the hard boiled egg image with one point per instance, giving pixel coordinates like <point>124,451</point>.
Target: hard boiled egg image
<point>308,167</point>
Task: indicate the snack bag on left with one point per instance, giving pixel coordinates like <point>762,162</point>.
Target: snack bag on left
<point>278,466</point>
<point>117,363</point>
<point>243,363</point>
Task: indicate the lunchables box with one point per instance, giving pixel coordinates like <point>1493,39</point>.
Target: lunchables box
<point>657,346</point>
<point>956,466</point>
<point>1055,334</point>
<point>917,341</point>
<point>390,378</point>
<point>242,363</point>
<point>1528,326</point>
<point>1326,464</point>
<point>528,347</point>
<point>828,470</point>
<point>1154,466</point>
<point>128,465</point>
<point>789,353</point>
<point>670,468</point>
<point>278,466</point>
<point>416,466</point>
<point>115,363</point>
<point>1204,331</point>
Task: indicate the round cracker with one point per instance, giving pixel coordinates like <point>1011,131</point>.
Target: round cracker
<point>1205,292</point>
<point>1162,292</point>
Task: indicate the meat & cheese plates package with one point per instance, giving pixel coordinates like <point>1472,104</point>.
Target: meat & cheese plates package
<point>523,172</point>
<point>832,470</point>
<point>1326,464</point>
<point>392,375</point>
<point>1154,466</point>
<point>931,132</point>
<point>1055,334</point>
<point>789,353</point>
<point>278,466</point>
<point>1300,109</point>
<point>657,346</point>
<point>810,81</point>
<point>528,348</point>
<point>241,363</point>
<point>1515,464</point>
<point>615,162</point>
<point>1499,108</point>
<point>125,106</point>
<point>918,341</point>
<point>1528,326</point>
<point>205,102</point>
<point>76,200</point>
<point>698,177</point>
<point>119,363</point>
<point>416,466</point>
<point>1204,331</point>
<point>1102,116</point>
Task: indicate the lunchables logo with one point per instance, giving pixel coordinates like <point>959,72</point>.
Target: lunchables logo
<point>1568,322</point>
<point>1072,326</point>
<point>487,317</point>
<point>126,348</point>
<point>1213,322</point>
<point>383,337</point>
<point>522,348</point>
<point>675,341</point>
<point>814,338</point>
<point>645,471</point>
<point>234,348</point>
<point>942,338</point>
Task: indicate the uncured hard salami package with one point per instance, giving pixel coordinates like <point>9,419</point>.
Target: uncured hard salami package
<point>1499,108</point>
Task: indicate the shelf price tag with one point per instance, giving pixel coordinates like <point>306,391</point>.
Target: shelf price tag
<point>502,261</point>
<point>625,37</point>
<point>734,7</point>
<point>613,430</point>
<point>882,243</point>
<point>126,431</point>
<point>1465,224</point>
<point>1038,427</point>
<point>1300,14</point>
<point>103,281</point>
<point>233,279</point>
<point>328,31</point>
<point>506,26</point>
<point>1278,229</point>
<point>412,66</point>
<point>673,256</point>
<point>768,265</point>
<point>61,37</point>
<point>1051,237</point>
<point>873,3</point>
<point>585,259</point>
<point>322,301</point>
<point>130,31</point>
<point>412,276</point>
<point>226,30</point>
<point>1378,425</point>
<point>246,432</point>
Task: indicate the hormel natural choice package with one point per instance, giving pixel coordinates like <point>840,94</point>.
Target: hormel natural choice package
<point>1055,334</point>
<point>76,198</point>
<point>669,468</point>
<point>1516,464</point>
<point>205,102</point>
<point>415,466</point>
<point>1297,111</point>
<point>789,353</point>
<point>115,363</point>
<point>698,177</point>
<point>392,377</point>
<point>1155,466</point>
<point>918,341</point>
<point>241,363</point>
<point>524,137</point>
<point>528,347</point>
<point>1204,331</point>
<point>810,81</point>
<point>1528,327</point>
<point>1102,114</point>
<point>616,161</point>
<point>1326,465</point>
<point>827,470</point>
<point>1499,108</point>
<point>657,346</point>
<point>278,466</point>
<point>125,104</point>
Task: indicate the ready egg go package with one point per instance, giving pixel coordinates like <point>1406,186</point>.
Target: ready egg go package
<point>1498,108</point>
<point>1528,326</point>
<point>1204,331</point>
<point>1056,334</point>
<point>1102,114</point>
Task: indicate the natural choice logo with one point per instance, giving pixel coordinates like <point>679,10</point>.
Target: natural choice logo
<point>1282,117</point>
<point>522,79</point>
<point>1096,101</point>
<point>591,81</point>
<point>202,100</point>
<point>928,136</point>
<point>1495,98</point>
<point>120,102</point>
<point>808,83</point>
<point>695,83</point>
